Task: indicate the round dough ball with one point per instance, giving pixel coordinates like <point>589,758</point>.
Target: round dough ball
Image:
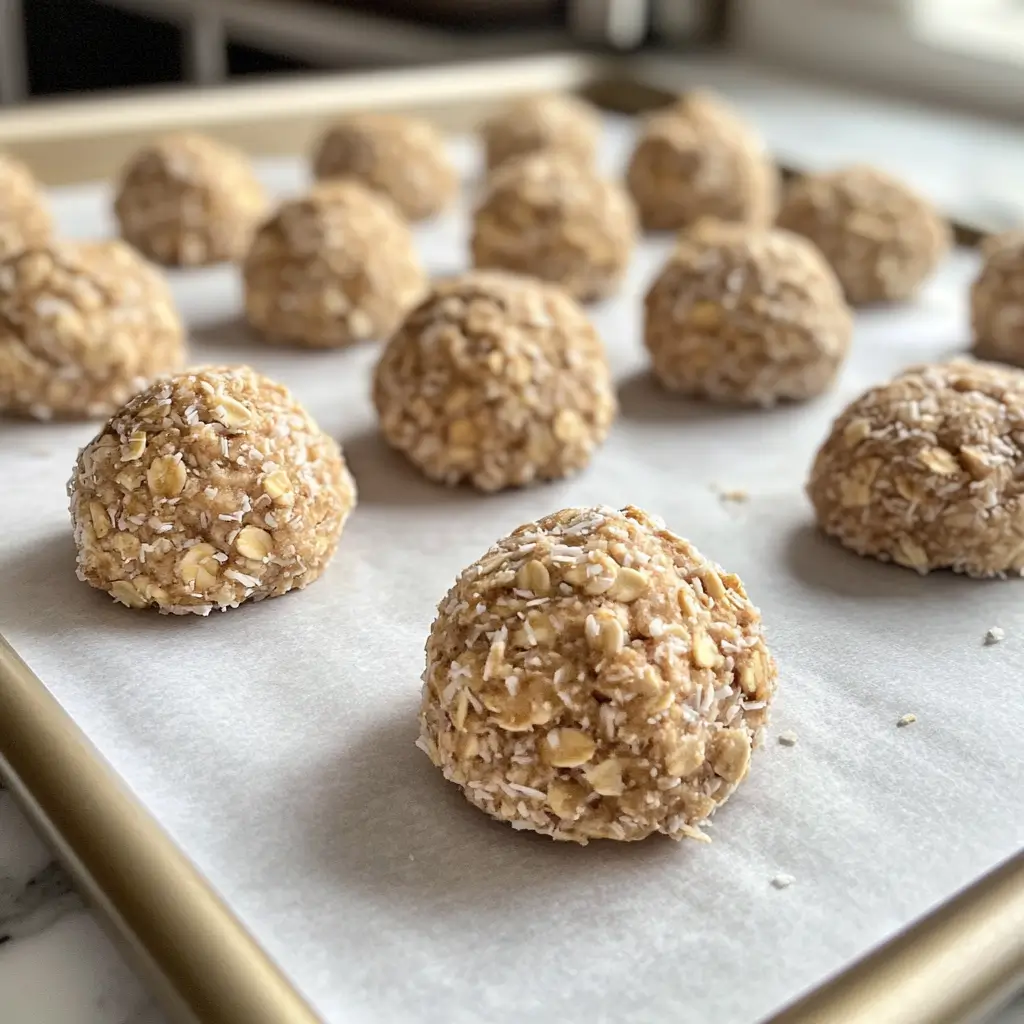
<point>746,315</point>
<point>594,676</point>
<point>83,326</point>
<point>24,216</point>
<point>882,239</point>
<point>699,159</point>
<point>496,380</point>
<point>552,121</point>
<point>554,219</point>
<point>188,200</point>
<point>927,471</point>
<point>997,300</point>
<point>401,157</point>
<point>208,489</point>
<point>331,268</point>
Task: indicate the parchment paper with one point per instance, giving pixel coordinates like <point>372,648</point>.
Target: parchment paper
<point>275,742</point>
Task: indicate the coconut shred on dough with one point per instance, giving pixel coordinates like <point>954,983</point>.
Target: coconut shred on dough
<point>592,676</point>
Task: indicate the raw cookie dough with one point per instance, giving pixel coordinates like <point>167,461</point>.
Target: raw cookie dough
<point>24,216</point>
<point>553,218</point>
<point>83,326</point>
<point>401,157</point>
<point>927,471</point>
<point>333,267</point>
<point>698,159</point>
<point>881,238</point>
<point>551,121</point>
<point>210,488</point>
<point>997,300</point>
<point>188,200</point>
<point>496,380</point>
<point>746,315</point>
<point>594,676</point>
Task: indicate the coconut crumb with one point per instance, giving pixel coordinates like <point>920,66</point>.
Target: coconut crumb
<point>787,739</point>
<point>783,881</point>
<point>994,635</point>
<point>907,719</point>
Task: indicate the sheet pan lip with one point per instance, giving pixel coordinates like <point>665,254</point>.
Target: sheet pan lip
<point>49,759</point>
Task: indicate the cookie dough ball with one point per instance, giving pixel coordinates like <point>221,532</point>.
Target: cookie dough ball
<point>997,300</point>
<point>698,159</point>
<point>83,326</point>
<point>746,315</point>
<point>927,471</point>
<point>188,200</point>
<point>552,218</point>
<point>208,489</point>
<point>24,216</point>
<point>551,121</point>
<point>401,157</point>
<point>332,268</point>
<point>593,676</point>
<point>882,239</point>
<point>496,380</point>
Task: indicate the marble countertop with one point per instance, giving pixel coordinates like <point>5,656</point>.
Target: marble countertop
<point>56,964</point>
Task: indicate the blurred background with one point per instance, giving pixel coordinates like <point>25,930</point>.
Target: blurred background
<point>963,52</point>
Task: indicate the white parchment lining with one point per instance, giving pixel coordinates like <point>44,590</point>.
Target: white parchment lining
<point>275,743</point>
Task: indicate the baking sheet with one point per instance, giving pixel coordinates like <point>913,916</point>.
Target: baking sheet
<point>275,743</point>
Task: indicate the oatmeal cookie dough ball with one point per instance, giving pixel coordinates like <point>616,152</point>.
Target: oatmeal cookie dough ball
<point>208,489</point>
<point>549,217</point>
<point>83,326</point>
<point>188,200</point>
<point>24,216</point>
<point>552,121</point>
<point>401,157</point>
<point>334,267</point>
<point>997,301</point>
<point>594,676</point>
<point>495,380</point>
<point>746,315</point>
<point>881,238</point>
<point>698,159</point>
<point>927,471</point>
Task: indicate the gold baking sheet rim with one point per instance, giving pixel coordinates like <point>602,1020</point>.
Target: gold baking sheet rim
<point>951,966</point>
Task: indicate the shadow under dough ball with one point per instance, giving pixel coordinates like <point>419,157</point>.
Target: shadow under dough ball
<point>189,200</point>
<point>83,326</point>
<point>331,268</point>
<point>550,122</point>
<point>881,238</point>
<point>746,315</point>
<point>697,159</point>
<point>927,471</point>
<point>403,158</point>
<point>593,676</point>
<point>997,300</point>
<point>210,488</point>
<point>495,380</point>
<point>25,220</point>
<point>548,216</point>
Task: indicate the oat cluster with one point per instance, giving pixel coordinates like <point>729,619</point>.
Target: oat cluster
<point>699,159</point>
<point>997,301</point>
<point>550,121</point>
<point>24,216</point>
<point>188,200</point>
<point>400,157</point>
<point>594,676</point>
<point>927,471</point>
<point>882,239</point>
<point>495,380</point>
<point>83,326</point>
<point>331,268</point>
<point>209,488</point>
<point>555,219</point>
<point>746,315</point>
